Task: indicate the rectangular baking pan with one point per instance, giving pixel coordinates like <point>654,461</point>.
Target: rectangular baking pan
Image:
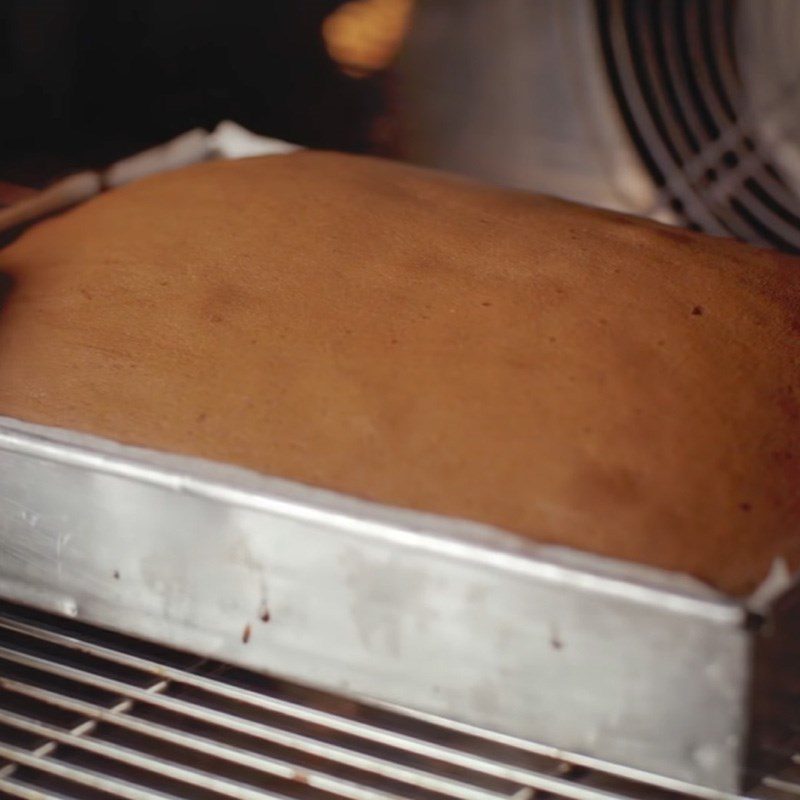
<point>624,664</point>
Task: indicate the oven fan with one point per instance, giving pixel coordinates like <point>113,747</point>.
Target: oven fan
<point>685,111</point>
<point>708,91</point>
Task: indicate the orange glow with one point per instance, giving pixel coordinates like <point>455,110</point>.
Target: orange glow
<point>363,36</point>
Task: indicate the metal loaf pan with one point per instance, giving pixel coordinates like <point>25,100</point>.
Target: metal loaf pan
<point>587,656</point>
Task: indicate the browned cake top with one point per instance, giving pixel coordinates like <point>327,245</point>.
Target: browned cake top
<point>576,376</point>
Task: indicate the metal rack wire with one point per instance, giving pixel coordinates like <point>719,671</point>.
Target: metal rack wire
<point>91,714</point>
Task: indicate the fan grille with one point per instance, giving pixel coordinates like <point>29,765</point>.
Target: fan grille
<point>708,99</point>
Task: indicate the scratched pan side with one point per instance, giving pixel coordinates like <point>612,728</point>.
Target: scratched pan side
<point>626,664</point>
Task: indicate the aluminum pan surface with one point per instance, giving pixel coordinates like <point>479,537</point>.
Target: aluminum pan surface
<point>616,661</point>
<point>245,488</point>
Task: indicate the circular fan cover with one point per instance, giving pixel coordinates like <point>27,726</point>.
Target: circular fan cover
<point>710,93</point>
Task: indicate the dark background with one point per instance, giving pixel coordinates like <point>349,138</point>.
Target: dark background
<point>84,82</point>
